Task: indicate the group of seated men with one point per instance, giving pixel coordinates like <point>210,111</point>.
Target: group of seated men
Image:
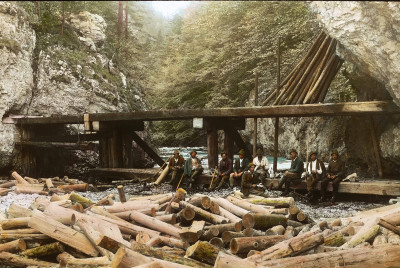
<point>247,175</point>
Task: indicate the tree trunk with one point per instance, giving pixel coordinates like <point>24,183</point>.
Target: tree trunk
<point>243,245</point>
<point>263,221</point>
<point>203,251</point>
<point>15,223</point>
<point>120,16</point>
<point>192,234</point>
<point>238,211</point>
<point>13,260</point>
<point>201,201</point>
<point>129,205</point>
<point>163,255</point>
<point>155,224</point>
<point>45,250</point>
<point>13,246</point>
<point>247,205</point>
<point>381,256</point>
<point>282,202</point>
<point>62,233</point>
<point>62,17</point>
<point>226,214</point>
<point>334,240</point>
<point>216,219</point>
<point>366,233</point>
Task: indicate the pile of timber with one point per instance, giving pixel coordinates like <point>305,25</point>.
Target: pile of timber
<point>42,186</point>
<point>310,79</point>
<point>171,230</point>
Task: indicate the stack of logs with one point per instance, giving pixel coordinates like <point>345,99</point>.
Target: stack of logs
<point>170,230</point>
<point>44,186</point>
<point>310,79</point>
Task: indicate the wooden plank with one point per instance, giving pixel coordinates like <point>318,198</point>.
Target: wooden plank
<point>304,110</point>
<point>147,149</point>
<point>375,144</point>
<point>68,138</point>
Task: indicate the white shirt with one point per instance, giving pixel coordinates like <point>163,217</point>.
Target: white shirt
<point>240,161</point>
<point>194,163</point>
<point>264,161</point>
<point>314,167</point>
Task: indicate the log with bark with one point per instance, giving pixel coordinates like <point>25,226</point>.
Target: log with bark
<point>44,250</point>
<point>205,215</point>
<point>203,251</point>
<point>264,221</point>
<point>15,223</point>
<point>13,246</point>
<point>243,245</point>
<point>13,260</point>
<point>154,224</point>
<point>279,202</point>
<point>193,233</point>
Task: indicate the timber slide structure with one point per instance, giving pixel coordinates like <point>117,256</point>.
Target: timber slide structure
<point>300,94</point>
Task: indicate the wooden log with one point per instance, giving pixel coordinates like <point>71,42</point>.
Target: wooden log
<point>216,241</point>
<point>214,208</point>
<point>293,210</point>
<point>263,221</point>
<point>186,214</point>
<point>18,178</point>
<point>8,184</point>
<point>201,201</point>
<point>162,175</point>
<point>238,211</point>
<point>234,227</point>
<point>301,216</point>
<point>230,216</point>
<point>49,184</point>
<point>161,264</point>
<point>393,238</point>
<point>60,214</point>
<point>153,242</point>
<point>121,193</point>
<point>248,220</point>
<point>276,230</point>
<point>62,233</point>
<point>203,251</point>
<point>142,238</point>
<point>168,218</point>
<point>294,223</point>
<point>128,258</point>
<point>243,245</point>
<point>179,196</point>
<point>150,211</point>
<point>358,257</point>
<point>172,242</point>
<point>389,226</point>
<point>275,202</point>
<point>289,247</point>
<point>66,260</point>
<point>85,202</point>
<point>101,211</point>
<point>13,246</point>
<point>337,222</point>
<point>216,219</point>
<point>4,191</point>
<point>30,189</point>
<point>82,187</point>
<point>379,240</point>
<point>15,223</point>
<point>209,234</point>
<point>163,255</point>
<point>193,233</point>
<point>13,260</point>
<point>25,236</point>
<point>106,201</point>
<point>336,239</point>
<point>289,232</point>
<point>227,236</point>
<point>225,260</point>
<point>154,224</point>
<point>44,250</point>
<point>247,205</point>
<point>17,211</point>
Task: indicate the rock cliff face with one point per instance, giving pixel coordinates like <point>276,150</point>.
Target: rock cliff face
<point>52,78</point>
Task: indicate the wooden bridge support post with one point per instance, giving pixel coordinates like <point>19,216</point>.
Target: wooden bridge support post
<point>212,144</point>
<point>28,156</point>
<point>375,144</point>
<point>103,152</point>
<point>275,167</point>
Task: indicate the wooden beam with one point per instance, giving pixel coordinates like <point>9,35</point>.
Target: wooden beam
<point>147,149</point>
<point>301,110</point>
<point>67,145</point>
<point>375,144</point>
<point>69,138</point>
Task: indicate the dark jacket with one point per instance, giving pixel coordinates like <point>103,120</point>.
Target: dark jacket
<point>172,163</point>
<point>297,166</point>
<point>247,179</point>
<point>188,166</point>
<point>244,167</point>
<point>225,166</point>
<point>336,168</point>
<point>319,164</point>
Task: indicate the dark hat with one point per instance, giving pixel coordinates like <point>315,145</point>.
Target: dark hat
<point>259,151</point>
<point>251,164</point>
<point>335,152</point>
<point>293,150</point>
<point>313,152</point>
<point>223,153</point>
<point>193,151</point>
<point>176,151</point>
<point>242,152</point>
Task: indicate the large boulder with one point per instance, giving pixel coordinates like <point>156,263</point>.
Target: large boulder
<point>369,36</point>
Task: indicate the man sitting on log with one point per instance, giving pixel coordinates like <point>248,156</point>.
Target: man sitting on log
<point>335,174</point>
<point>176,166</point>
<point>249,180</point>
<point>315,172</point>
<point>192,168</point>
<point>241,165</point>
<point>293,174</point>
<point>261,166</point>
<point>225,169</point>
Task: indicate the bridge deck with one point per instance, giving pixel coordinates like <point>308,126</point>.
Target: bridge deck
<point>372,187</point>
<point>304,110</point>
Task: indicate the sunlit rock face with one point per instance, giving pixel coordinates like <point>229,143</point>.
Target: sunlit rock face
<point>369,36</point>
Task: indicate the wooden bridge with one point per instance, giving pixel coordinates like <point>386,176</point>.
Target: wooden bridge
<point>116,131</point>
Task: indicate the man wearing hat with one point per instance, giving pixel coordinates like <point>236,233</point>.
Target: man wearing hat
<point>176,166</point>
<point>335,174</point>
<point>294,173</point>
<point>192,168</point>
<point>241,165</point>
<point>225,170</point>
<point>315,171</point>
<point>261,166</point>
<point>248,180</point>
